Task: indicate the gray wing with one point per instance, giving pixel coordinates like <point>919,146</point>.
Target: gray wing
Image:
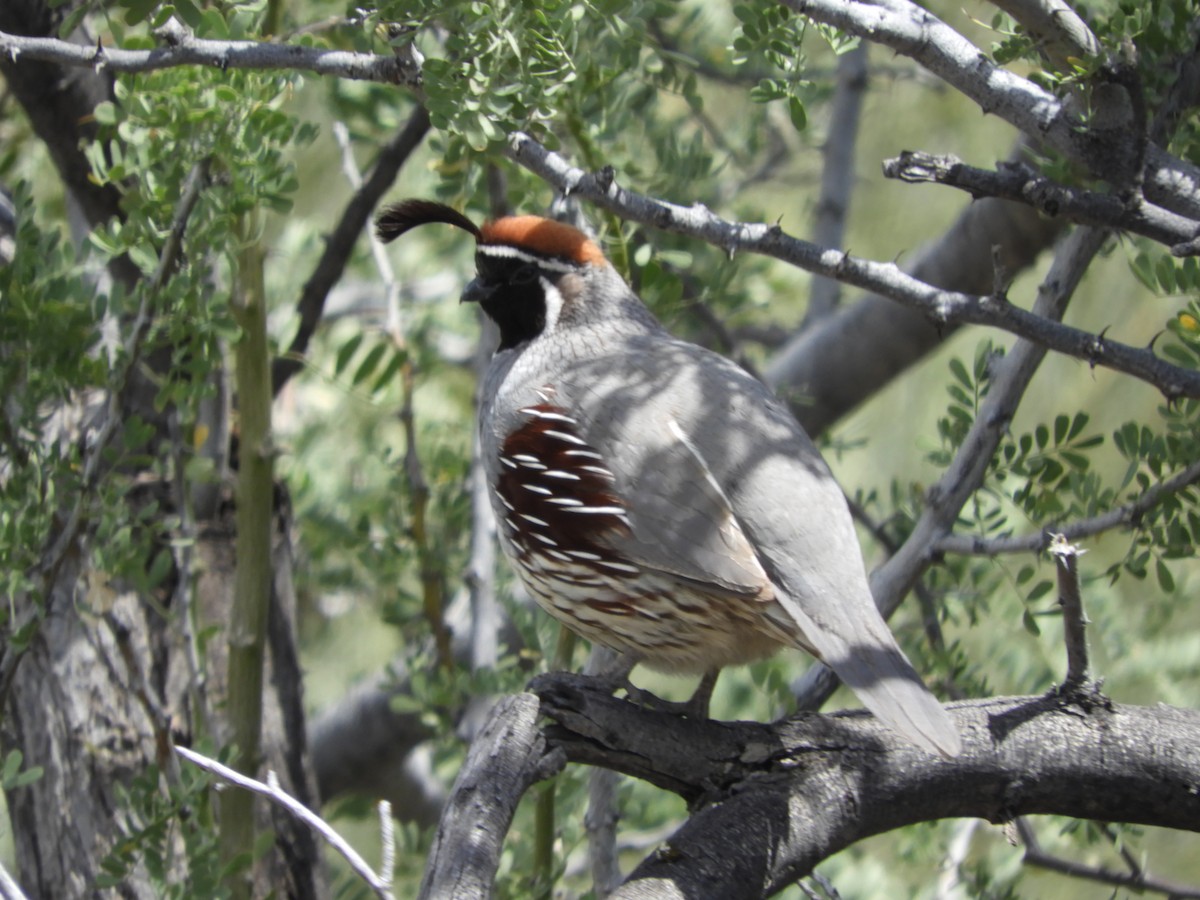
<point>726,491</point>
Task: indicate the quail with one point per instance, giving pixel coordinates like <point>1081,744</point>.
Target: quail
<point>652,495</point>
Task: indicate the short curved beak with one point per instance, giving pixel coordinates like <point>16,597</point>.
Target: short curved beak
<point>476,291</point>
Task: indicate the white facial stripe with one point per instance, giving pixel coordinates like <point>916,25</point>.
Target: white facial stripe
<point>554,303</point>
<point>503,251</point>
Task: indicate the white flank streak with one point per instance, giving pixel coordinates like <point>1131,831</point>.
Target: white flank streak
<point>598,510</point>
<point>564,476</point>
<point>561,557</point>
<point>546,540</point>
<point>508,462</point>
<point>565,501</point>
<point>584,555</point>
<point>597,470</point>
<point>617,566</point>
<point>537,489</point>
<point>583,454</point>
<point>507,505</point>
<point>563,436</point>
<point>535,520</point>
<point>548,416</point>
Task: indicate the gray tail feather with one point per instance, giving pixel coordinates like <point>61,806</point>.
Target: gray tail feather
<point>887,684</point>
<point>907,706</point>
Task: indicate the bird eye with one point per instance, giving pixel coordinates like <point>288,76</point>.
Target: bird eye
<point>526,274</point>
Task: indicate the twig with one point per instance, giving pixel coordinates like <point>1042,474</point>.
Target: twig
<point>1018,182</point>
<point>387,839</point>
<point>941,306</point>
<point>340,242</point>
<point>9,889</point>
<point>182,49</point>
<point>1128,514</point>
<point>1074,623</point>
<point>273,792</point>
<point>432,587</point>
<point>949,882</point>
<point>1137,881</point>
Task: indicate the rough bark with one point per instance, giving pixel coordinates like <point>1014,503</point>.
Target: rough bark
<point>770,801</point>
<point>104,690</point>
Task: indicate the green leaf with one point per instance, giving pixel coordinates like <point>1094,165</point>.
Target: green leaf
<point>1040,590</point>
<point>189,12</point>
<point>796,111</point>
<point>346,352</point>
<point>105,113</point>
<point>1030,623</point>
<point>369,363</point>
<point>1165,579</point>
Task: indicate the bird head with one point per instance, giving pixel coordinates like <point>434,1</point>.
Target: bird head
<point>533,275</point>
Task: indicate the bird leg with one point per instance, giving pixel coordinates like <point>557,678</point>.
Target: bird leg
<point>614,676</point>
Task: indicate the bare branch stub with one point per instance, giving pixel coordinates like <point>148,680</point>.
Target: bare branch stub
<point>1066,557</point>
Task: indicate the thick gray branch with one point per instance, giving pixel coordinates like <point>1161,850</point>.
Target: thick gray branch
<point>1014,181</point>
<point>918,34</point>
<point>182,49</point>
<point>771,801</point>
<point>507,757</point>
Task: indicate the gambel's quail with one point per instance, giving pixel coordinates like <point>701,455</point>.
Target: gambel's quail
<point>652,495</point>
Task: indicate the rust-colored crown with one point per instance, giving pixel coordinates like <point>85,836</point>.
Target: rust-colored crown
<point>532,234</point>
<point>544,237</point>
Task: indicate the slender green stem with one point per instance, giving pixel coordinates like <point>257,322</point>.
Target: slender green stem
<point>252,585</point>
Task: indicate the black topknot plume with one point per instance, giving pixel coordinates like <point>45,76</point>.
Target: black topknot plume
<point>400,217</point>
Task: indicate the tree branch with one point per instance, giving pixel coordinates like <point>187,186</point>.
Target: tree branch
<point>771,801</point>
<point>340,242</point>
<point>381,886</point>
<point>921,36</point>
<point>941,306</point>
<point>1128,514</point>
<point>1134,880</point>
<point>1056,28</point>
<point>183,49</point>
<point>1018,182</point>
<point>1074,621</point>
<point>507,757</point>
